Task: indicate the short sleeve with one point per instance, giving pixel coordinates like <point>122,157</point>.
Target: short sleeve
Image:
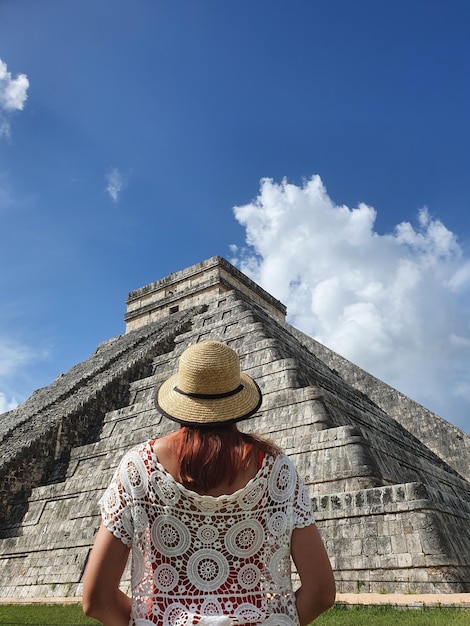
<point>117,502</point>
<point>303,510</point>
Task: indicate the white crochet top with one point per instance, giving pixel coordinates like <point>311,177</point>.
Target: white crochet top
<point>211,561</point>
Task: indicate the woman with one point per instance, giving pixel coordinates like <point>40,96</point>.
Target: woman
<point>212,516</point>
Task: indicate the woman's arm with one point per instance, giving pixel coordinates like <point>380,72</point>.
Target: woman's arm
<point>317,585</point>
<point>102,598</point>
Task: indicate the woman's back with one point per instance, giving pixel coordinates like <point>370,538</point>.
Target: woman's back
<point>197,557</point>
<point>164,451</point>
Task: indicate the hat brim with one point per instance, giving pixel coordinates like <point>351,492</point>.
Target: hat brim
<point>189,410</point>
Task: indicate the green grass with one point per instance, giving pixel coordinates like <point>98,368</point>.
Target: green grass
<point>71,615</point>
<point>390,616</point>
<point>39,614</point>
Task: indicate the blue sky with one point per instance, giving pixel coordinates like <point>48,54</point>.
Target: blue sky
<point>321,146</point>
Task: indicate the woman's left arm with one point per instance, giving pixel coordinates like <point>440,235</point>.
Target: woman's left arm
<point>102,598</point>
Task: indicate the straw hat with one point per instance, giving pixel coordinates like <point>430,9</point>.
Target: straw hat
<point>208,387</point>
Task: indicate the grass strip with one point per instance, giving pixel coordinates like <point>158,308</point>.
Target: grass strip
<point>340,615</point>
<point>44,615</point>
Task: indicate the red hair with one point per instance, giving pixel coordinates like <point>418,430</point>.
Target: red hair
<point>209,456</point>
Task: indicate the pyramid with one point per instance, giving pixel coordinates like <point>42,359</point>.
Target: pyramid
<point>389,480</point>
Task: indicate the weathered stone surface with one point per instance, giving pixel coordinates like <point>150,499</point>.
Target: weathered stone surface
<point>394,510</point>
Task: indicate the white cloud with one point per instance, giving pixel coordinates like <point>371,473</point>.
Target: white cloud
<point>7,405</point>
<point>13,356</point>
<point>396,304</point>
<point>14,360</point>
<point>4,126</point>
<point>116,183</point>
<point>13,95</point>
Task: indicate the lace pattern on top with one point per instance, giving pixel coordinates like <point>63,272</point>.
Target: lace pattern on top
<point>211,561</point>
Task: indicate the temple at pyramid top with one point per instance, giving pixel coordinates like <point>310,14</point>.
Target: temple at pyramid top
<point>193,286</point>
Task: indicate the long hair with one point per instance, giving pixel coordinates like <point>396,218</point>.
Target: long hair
<point>209,456</point>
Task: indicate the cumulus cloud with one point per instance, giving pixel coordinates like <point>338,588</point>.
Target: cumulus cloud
<point>7,405</point>
<point>14,358</point>
<point>13,95</point>
<point>395,304</point>
<point>116,183</point>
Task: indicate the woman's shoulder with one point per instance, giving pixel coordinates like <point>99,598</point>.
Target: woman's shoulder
<point>143,448</point>
<point>165,452</point>
<point>138,449</point>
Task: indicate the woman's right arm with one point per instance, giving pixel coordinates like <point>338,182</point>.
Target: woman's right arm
<point>102,598</point>
<point>317,590</point>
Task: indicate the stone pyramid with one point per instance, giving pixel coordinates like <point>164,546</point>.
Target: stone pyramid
<point>389,480</point>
